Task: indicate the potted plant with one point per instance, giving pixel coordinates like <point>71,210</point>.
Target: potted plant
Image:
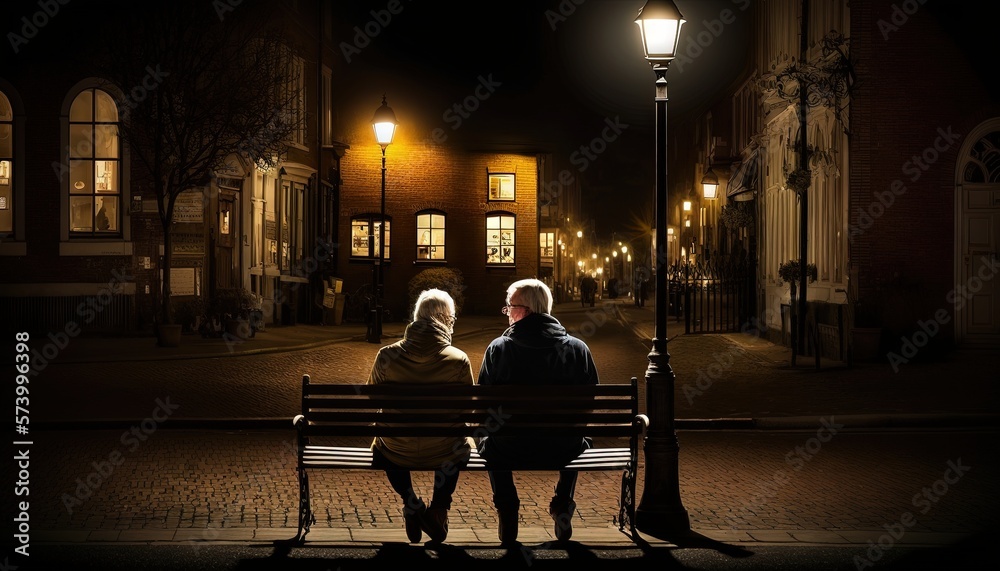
<point>789,272</point>
<point>231,308</point>
<point>188,313</point>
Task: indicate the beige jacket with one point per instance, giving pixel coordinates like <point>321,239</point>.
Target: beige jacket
<point>424,355</point>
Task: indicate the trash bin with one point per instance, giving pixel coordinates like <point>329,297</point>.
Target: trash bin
<point>333,308</point>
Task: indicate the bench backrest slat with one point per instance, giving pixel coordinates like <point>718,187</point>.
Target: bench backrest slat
<point>390,409</point>
<point>317,430</point>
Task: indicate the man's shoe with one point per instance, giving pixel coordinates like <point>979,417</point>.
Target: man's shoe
<point>507,524</point>
<point>561,511</point>
<point>412,517</point>
<point>434,522</point>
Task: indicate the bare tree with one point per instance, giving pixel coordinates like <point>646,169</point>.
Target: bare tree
<point>201,85</point>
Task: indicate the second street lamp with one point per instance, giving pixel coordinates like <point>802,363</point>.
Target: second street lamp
<point>384,124</point>
<point>660,510</point>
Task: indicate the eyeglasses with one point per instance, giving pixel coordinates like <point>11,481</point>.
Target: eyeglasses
<point>506,309</point>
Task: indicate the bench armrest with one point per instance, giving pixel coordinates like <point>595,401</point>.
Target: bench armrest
<point>299,421</point>
<point>643,422</point>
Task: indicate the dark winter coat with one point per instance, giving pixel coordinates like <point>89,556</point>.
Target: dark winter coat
<point>536,350</point>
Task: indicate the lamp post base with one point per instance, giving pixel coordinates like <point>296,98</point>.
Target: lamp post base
<point>660,511</point>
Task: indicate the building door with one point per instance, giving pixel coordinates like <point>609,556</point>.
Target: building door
<point>225,246</point>
<point>977,291</point>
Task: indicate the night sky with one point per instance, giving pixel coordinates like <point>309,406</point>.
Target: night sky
<point>559,71</point>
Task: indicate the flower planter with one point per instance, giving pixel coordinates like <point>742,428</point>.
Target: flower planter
<point>239,328</point>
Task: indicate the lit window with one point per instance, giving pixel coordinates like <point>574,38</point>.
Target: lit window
<point>94,164</point>
<point>430,236</point>
<point>501,187</point>
<point>6,165</point>
<point>546,244</point>
<point>291,224</point>
<point>500,239</point>
<point>365,232</point>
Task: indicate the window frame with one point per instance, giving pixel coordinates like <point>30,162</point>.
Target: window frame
<point>498,241</point>
<point>497,190</point>
<point>372,220</point>
<point>93,162</point>
<point>11,200</point>
<point>432,246</point>
<point>102,244</point>
<point>546,239</point>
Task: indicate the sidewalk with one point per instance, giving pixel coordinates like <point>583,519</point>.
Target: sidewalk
<point>246,475</point>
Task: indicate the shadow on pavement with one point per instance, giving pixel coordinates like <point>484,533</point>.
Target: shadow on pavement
<point>555,556</point>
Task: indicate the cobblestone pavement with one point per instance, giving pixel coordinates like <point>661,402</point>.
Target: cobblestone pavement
<point>857,481</point>
<point>184,482</point>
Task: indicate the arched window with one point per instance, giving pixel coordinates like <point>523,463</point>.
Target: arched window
<point>430,235</point>
<point>500,228</point>
<point>95,193</point>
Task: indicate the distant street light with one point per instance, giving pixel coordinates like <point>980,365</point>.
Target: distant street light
<point>709,184</point>
<point>660,510</point>
<point>384,124</point>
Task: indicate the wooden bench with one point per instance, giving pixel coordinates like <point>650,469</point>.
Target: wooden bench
<point>606,411</point>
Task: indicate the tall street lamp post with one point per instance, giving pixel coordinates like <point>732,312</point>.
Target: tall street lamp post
<point>660,511</point>
<point>384,124</point>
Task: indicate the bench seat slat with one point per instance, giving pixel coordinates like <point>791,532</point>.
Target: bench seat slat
<point>485,406</point>
<point>477,418</point>
<point>462,391</point>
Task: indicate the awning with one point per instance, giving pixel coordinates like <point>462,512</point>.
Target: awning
<point>744,181</point>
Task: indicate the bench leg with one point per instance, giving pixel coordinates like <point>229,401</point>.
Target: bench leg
<point>626,510</point>
<point>306,517</point>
